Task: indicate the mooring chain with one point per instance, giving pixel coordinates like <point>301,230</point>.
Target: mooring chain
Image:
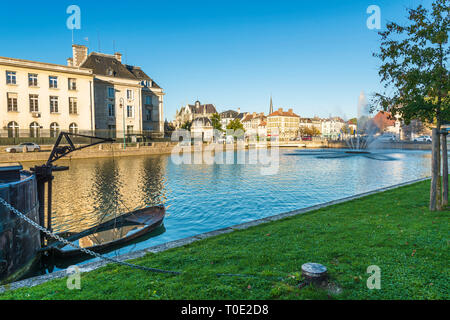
<point>87,251</point>
<point>126,264</point>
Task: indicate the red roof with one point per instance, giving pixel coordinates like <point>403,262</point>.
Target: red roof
<point>282,113</point>
<point>383,120</point>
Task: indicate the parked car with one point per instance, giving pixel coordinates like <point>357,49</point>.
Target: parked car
<point>423,139</point>
<point>30,147</point>
<point>309,138</point>
<point>387,138</point>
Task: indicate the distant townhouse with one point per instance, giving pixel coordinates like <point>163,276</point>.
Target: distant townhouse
<point>126,98</point>
<point>255,124</point>
<point>310,125</point>
<point>332,128</point>
<point>41,99</point>
<point>287,124</point>
<point>230,115</point>
<point>202,129</point>
<point>189,113</point>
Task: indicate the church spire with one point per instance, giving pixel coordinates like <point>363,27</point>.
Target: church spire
<point>271,106</point>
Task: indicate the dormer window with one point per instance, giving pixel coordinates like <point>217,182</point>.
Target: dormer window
<point>110,72</point>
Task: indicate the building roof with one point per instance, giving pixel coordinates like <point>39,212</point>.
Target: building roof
<point>44,66</point>
<point>230,114</point>
<point>248,117</point>
<point>241,116</point>
<point>281,113</point>
<point>383,120</point>
<point>202,122</point>
<point>202,108</point>
<point>108,65</point>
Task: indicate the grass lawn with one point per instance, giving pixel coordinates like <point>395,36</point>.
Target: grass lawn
<point>393,230</point>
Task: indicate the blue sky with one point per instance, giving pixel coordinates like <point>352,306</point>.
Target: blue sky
<point>312,56</point>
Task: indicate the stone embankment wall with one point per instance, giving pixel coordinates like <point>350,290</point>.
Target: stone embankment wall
<point>100,151</point>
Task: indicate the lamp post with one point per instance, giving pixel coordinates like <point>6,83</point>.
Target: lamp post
<point>122,102</point>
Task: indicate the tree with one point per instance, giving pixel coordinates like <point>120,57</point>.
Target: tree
<point>235,125</point>
<point>415,68</point>
<point>168,128</point>
<point>309,132</point>
<point>216,122</point>
<point>187,125</point>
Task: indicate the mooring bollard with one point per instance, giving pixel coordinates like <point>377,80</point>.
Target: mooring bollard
<point>314,273</point>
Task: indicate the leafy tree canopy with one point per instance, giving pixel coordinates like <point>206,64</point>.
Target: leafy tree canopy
<point>215,119</point>
<point>235,125</point>
<point>414,67</point>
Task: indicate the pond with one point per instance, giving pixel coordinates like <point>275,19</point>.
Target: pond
<point>202,198</point>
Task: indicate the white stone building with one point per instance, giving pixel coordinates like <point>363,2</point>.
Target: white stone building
<point>41,99</point>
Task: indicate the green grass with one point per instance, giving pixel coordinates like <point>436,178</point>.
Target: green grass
<point>393,230</point>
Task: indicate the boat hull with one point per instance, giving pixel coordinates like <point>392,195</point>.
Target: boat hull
<point>149,219</point>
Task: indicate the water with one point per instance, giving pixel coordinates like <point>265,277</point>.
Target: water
<point>202,198</point>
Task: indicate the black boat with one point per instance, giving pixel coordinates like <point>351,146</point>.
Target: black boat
<point>109,235</point>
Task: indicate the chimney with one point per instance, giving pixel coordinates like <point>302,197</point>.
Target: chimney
<point>254,114</point>
<point>80,54</point>
<point>280,110</point>
<point>239,110</point>
<point>118,56</point>
<point>70,62</point>
<point>291,111</point>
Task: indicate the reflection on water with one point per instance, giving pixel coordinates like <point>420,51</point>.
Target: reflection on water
<point>95,191</point>
<point>105,237</point>
<point>202,198</point>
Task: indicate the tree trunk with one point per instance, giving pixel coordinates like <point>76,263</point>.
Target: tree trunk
<point>444,171</point>
<point>439,180</point>
<point>434,172</point>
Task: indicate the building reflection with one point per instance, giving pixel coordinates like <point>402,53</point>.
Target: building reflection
<point>97,190</point>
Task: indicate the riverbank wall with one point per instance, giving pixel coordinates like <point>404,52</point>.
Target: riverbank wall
<point>101,151</point>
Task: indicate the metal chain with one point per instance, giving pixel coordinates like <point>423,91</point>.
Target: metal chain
<point>87,251</point>
<point>126,264</point>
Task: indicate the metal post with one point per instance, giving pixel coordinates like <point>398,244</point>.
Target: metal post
<point>41,198</point>
<point>49,205</point>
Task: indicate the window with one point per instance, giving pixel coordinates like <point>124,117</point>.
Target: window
<point>130,94</point>
<point>34,103</point>
<point>130,129</point>
<point>148,100</point>
<point>54,130</point>
<point>13,130</point>
<point>130,112</point>
<point>148,114</point>
<point>12,102</point>
<point>11,77</point>
<point>111,110</point>
<point>73,128</point>
<point>53,104</point>
<point>32,80</point>
<point>111,93</point>
<point>72,84</point>
<point>34,130</point>
<point>53,82</point>
<point>73,106</point>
